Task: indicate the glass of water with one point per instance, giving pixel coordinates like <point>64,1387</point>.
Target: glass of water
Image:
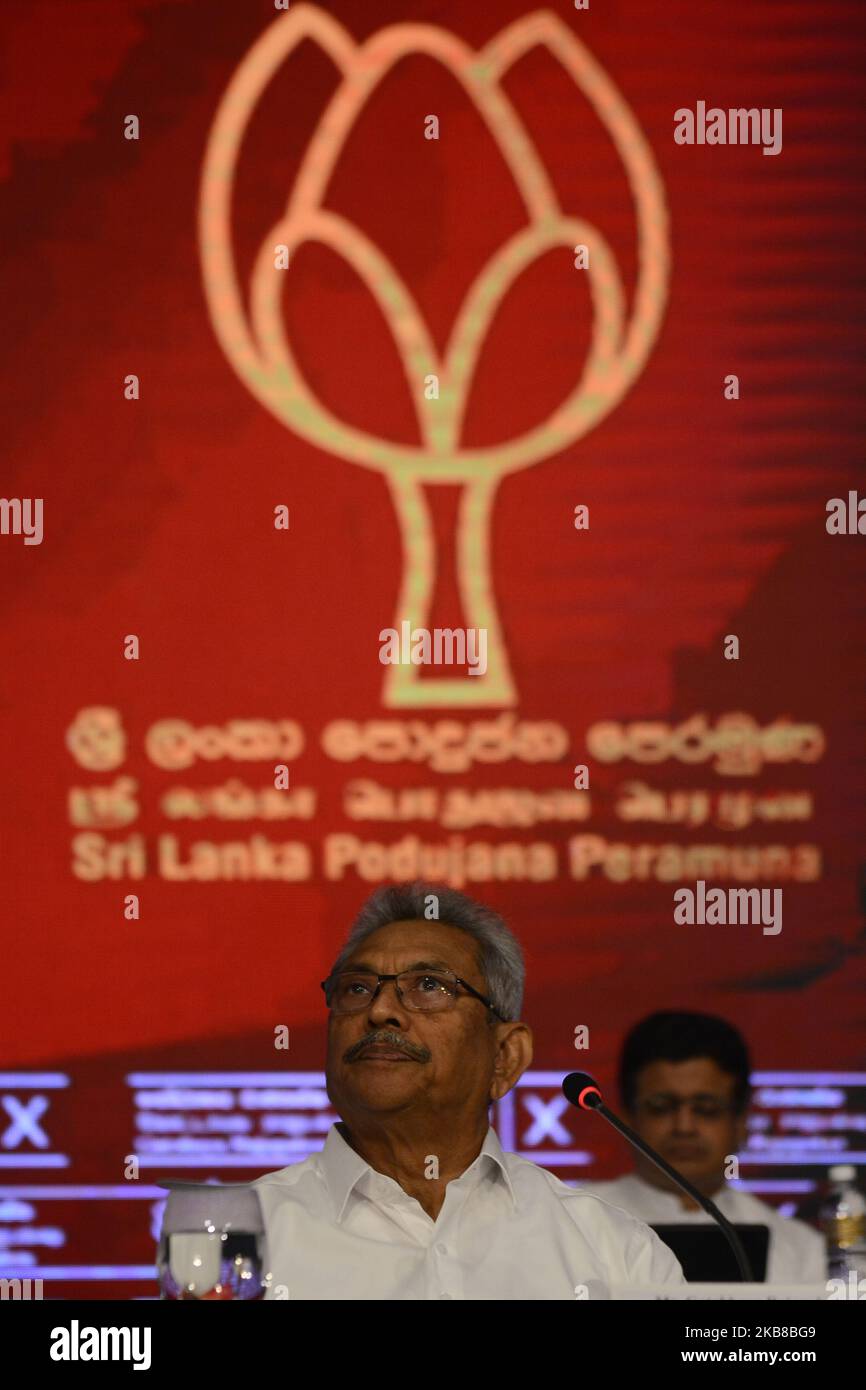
<point>212,1242</point>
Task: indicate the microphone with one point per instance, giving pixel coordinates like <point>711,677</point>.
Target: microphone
<point>580,1089</point>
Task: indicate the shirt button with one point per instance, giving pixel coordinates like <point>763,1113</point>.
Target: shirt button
<point>441,1249</point>
<point>444,1295</point>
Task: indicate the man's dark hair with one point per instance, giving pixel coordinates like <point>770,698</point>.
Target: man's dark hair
<point>678,1037</point>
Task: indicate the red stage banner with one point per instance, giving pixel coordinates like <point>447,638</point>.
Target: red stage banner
<point>433,450</point>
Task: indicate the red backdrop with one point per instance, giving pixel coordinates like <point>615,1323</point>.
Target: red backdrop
<point>707,518</point>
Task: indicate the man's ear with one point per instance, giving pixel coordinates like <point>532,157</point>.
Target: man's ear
<point>513,1057</point>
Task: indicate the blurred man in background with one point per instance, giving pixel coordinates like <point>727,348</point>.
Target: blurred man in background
<point>684,1083</point>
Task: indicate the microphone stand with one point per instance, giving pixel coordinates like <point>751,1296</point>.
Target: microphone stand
<point>591,1103</point>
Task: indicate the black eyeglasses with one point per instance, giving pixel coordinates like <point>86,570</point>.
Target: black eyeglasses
<point>423,991</point>
<point>703,1107</point>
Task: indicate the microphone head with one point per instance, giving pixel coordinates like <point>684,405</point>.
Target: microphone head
<point>579,1088</point>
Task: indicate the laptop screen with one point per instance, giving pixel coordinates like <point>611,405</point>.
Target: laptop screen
<point>707,1258</point>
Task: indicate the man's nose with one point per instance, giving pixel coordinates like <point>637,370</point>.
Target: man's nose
<point>685,1120</point>
<point>387,1007</point>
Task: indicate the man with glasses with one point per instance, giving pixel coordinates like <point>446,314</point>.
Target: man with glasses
<point>684,1083</point>
<point>412,1196</point>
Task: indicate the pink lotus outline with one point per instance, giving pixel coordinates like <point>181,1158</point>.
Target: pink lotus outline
<point>262,357</point>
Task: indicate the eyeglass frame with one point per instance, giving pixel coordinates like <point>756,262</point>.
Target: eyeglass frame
<point>674,1104</point>
<point>382,979</point>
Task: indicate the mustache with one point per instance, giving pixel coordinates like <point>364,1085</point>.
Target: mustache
<point>384,1035</point>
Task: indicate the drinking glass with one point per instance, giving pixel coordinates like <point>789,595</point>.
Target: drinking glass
<point>212,1242</point>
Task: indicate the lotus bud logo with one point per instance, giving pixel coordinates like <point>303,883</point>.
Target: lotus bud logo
<point>262,357</point>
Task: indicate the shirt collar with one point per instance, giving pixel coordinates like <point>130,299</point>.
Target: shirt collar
<point>343,1167</point>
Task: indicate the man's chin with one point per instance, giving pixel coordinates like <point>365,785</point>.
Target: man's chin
<point>704,1179</point>
<point>693,1171</point>
<point>381,1081</point>
<point>368,1073</point>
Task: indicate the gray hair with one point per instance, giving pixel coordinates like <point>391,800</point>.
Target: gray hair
<point>499,955</point>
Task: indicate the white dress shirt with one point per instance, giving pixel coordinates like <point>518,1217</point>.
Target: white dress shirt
<point>337,1229</point>
<point>796,1254</point>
